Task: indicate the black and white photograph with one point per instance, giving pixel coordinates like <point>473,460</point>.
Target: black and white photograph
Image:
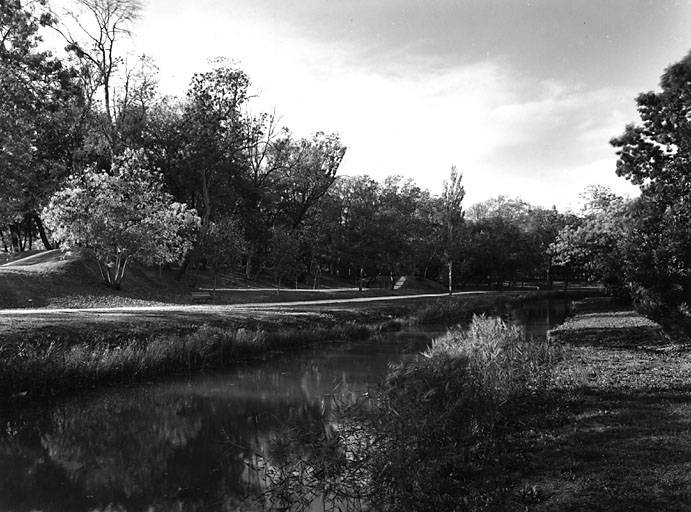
<point>345,255</point>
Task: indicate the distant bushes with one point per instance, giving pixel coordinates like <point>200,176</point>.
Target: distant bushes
<point>455,309</point>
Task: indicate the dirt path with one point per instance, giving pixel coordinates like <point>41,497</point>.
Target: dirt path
<point>616,433</point>
<point>289,313</point>
<point>178,308</point>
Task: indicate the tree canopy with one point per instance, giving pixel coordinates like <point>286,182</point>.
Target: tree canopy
<point>656,156</point>
<point>121,215</point>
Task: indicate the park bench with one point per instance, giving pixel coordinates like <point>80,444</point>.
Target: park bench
<point>201,296</point>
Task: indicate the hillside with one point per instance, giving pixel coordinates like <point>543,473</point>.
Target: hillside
<point>57,279</point>
<point>54,278</point>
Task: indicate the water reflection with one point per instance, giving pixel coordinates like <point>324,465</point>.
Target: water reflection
<point>193,444</point>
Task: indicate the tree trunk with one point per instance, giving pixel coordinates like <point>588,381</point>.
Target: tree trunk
<point>105,272</point>
<point>207,200</point>
<point>248,265</point>
<point>41,231</point>
<point>450,265</point>
<point>14,236</point>
<point>183,267</point>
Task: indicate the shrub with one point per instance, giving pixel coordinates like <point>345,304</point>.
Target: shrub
<point>436,416</point>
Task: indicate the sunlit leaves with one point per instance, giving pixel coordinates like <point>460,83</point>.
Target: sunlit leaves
<point>121,215</point>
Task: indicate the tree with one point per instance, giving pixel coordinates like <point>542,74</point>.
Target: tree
<point>214,142</point>
<point>221,244</point>
<point>592,248</point>
<point>101,26</point>
<point>120,216</point>
<point>656,156</point>
<point>451,217</point>
<point>37,99</point>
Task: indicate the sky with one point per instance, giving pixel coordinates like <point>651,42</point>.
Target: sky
<point>522,96</point>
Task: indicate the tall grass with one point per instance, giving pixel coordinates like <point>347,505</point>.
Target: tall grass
<point>439,412</point>
<point>52,364</point>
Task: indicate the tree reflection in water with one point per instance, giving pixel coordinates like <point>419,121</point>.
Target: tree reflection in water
<point>212,443</point>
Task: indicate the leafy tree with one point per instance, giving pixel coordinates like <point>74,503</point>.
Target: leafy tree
<point>508,241</point>
<point>451,218</point>
<point>221,244</point>
<point>121,215</point>
<point>214,137</point>
<point>591,249</point>
<point>37,99</point>
<point>284,255</point>
<point>656,156</point>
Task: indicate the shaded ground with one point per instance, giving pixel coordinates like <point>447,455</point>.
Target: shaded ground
<point>614,433</point>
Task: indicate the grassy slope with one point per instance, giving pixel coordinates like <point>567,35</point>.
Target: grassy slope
<point>614,433</point>
<point>55,279</point>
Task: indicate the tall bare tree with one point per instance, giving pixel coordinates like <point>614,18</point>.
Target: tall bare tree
<point>94,32</point>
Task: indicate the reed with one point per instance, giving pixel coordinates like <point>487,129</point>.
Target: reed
<point>45,366</point>
<point>437,415</point>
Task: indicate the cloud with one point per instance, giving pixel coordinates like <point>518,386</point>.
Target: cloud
<point>522,96</point>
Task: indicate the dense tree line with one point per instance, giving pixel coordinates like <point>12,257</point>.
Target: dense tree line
<point>267,201</point>
<point>272,203</point>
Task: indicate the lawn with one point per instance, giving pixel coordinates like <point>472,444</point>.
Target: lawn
<point>614,431</point>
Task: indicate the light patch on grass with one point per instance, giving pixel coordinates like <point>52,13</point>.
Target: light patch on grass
<point>612,320</point>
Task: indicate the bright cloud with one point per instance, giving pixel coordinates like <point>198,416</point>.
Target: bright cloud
<point>522,97</point>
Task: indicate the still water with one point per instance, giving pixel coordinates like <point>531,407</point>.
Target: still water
<point>192,443</point>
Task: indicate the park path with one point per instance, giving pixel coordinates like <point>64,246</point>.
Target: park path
<point>220,308</point>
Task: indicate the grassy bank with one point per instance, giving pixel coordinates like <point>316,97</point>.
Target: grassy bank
<point>611,430</point>
<point>48,359</point>
<point>48,365</point>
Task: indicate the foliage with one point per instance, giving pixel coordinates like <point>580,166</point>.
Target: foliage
<point>438,412</point>
<point>292,215</point>
<point>506,240</point>
<point>656,155</point>
<point>119,216</point>
<point>38,113</point>
<point>592,248</point>
<point>221,244</point>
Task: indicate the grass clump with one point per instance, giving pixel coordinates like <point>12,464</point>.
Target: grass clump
<point>436,418</point>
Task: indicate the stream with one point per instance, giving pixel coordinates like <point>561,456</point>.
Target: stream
<point>191,443</point>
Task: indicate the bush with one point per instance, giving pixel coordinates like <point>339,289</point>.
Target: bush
<point>436,417</point>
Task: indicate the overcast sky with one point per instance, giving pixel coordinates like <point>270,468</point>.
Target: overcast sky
<point>523,96</point>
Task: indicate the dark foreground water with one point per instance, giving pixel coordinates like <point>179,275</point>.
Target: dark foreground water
<point>194,443</point>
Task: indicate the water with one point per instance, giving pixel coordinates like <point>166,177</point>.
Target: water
<point>193,443</point>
